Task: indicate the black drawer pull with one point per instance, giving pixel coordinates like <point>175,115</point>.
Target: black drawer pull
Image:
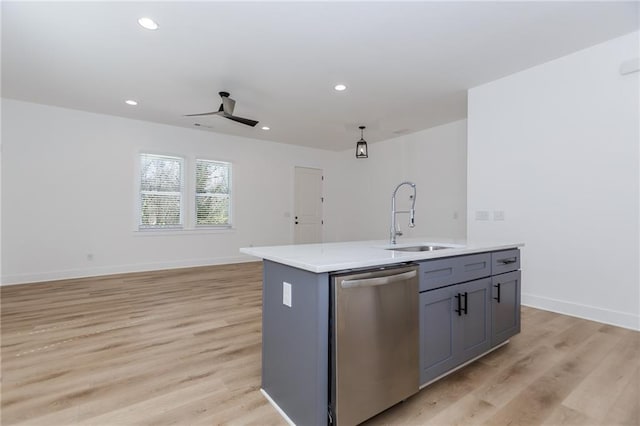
<point>497,299</point>
<point>466,297</point>
<point>508,261</point>
<point>459,310</point>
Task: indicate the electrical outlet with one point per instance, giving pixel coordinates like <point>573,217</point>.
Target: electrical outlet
<point>286,294</point>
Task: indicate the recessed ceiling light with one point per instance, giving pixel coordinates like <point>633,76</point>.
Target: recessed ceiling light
<point>266,128</point>
<point>148,23</point>
<point>131,102</point>
<point>339,87</point>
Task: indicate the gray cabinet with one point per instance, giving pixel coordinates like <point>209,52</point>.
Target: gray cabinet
<point>505,306</point>
<point>468,304</point>
<point>452,270</point>
<point>437,329</point>
<point>475,319</point>
<point>295,346</point>
<point>455,326</point>
<point>505,261</point>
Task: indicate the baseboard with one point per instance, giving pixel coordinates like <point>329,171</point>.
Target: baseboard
<point>119,269</point>
<point>593,313</point>
<point>277,407</point>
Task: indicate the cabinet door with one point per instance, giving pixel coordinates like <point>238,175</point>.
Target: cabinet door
<point>505,306</point>
<point>437,330</point>
<point>474,324</point>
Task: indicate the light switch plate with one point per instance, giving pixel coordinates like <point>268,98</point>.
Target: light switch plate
<point>482,215</point>
<point>286,294</point>
<point>498,215</point>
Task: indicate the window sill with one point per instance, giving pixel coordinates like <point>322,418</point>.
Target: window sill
<point>159,232</point>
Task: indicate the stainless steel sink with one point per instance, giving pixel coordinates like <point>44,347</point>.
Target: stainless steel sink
<point>418,248</point>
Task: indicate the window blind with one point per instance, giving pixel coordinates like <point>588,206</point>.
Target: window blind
<point>161,188</point>
<point>213,193</point>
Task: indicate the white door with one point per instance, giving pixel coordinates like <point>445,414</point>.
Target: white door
<point>308,206</point>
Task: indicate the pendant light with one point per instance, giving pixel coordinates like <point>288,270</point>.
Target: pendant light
<point>361,146</point>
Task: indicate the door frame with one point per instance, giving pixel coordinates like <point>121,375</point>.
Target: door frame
<point>293,202</point>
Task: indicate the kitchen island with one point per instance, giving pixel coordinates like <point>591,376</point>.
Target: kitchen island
<point>468,296</point>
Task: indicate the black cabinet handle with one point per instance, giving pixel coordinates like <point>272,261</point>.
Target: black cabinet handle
<point>497,299</point>
<point>466,298</point>
<point>296,222</point>
<point>459,310</point>
<point>508,261</point>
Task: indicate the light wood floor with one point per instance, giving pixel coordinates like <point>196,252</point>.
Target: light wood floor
<point>182,347</point>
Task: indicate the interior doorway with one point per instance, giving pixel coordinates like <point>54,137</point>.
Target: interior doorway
<point>308,205</point>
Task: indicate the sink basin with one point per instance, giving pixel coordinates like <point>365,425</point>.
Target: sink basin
<point>418,248</point>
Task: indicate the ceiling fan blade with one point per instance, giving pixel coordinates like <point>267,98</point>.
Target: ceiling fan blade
<point>226,110</point>
<point>203,113</point>
<point>246,121</point>
<point>228,105</point>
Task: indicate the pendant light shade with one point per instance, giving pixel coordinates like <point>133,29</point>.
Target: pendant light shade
<point>361,146</point>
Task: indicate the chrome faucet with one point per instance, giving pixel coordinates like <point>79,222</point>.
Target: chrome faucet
<point>395,231</point>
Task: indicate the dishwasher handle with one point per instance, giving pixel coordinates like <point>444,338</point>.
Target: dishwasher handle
<point>371,282</point>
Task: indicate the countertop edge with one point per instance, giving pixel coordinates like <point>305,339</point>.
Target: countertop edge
<point>297,258</point>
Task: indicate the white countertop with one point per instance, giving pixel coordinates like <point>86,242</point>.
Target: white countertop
<point>330,257</point>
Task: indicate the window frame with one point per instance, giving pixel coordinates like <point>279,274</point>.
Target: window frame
<point>139,192</point>
<point>194,216</point>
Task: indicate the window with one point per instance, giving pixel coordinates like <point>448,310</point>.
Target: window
<point>161,187</point>
<point>213,193</point>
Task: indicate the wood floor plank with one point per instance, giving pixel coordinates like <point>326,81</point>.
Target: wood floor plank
<point>564,416</point>
<point>469,410</point>
<point>625,411</point>
<point>538,400</point>
<point>120,348</point>
<point>499,390</point>
<point>183,347</point>
<point>595,395</point>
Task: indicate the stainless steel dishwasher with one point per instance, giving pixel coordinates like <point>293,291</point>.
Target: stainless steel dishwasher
<point>374,341</point>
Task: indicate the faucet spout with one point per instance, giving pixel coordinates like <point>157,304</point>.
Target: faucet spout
<point>394,228</point>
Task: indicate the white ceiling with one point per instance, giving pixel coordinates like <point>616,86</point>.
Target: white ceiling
<point>407,65</point>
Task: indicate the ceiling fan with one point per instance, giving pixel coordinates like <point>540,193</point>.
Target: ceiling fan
<point>226,110</point>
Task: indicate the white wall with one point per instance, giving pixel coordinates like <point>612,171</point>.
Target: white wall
<point>435,159</point>
<point>556,148</point>
<point>68,189</point>
<point>0,194</point>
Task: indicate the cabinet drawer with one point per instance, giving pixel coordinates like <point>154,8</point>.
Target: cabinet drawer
<point>505,261</point>
<point>452,270</point>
